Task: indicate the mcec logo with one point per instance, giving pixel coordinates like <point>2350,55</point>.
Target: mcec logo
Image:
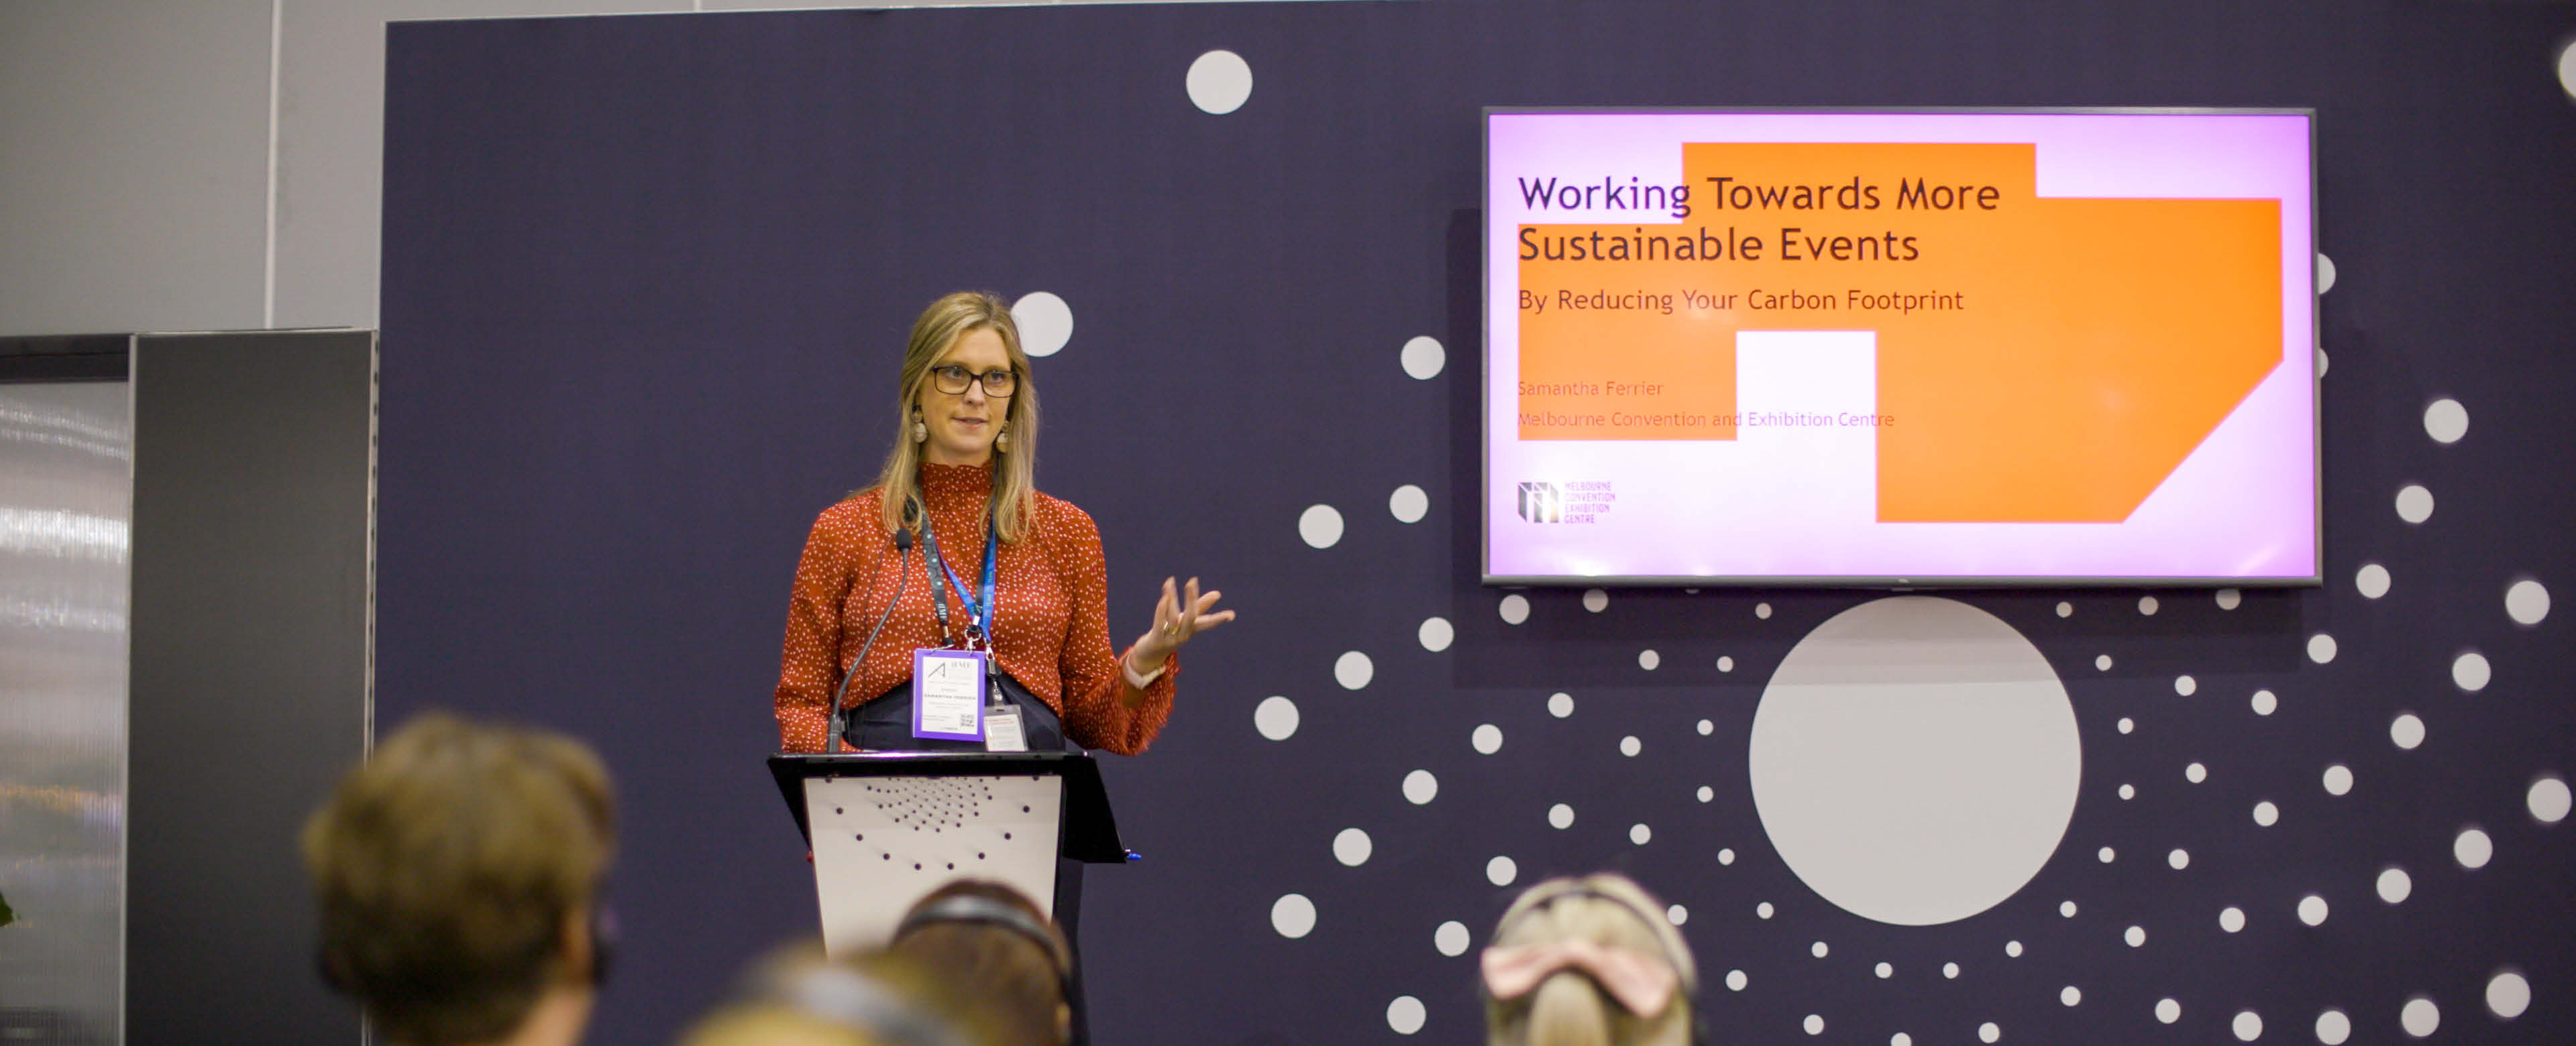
<point>1540,503</point>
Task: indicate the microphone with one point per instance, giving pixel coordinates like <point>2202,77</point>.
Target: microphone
<point>902,576</point>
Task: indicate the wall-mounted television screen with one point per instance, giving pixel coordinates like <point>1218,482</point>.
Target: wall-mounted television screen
<point>1900,348</point>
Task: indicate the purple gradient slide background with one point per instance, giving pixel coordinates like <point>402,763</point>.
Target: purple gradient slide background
<point>2241,507</point>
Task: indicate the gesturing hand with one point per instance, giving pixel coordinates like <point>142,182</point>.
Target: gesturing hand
<point>1182,612</point>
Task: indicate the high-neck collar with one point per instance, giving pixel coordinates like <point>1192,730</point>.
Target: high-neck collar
<point>941,483</point>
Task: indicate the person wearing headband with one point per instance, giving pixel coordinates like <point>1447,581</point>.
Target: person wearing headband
<point>1005,579</point>
<point>1588,962</point>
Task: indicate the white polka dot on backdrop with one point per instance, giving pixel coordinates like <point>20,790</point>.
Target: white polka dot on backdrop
<point>1648,659</point>
<point>2179,859</point>
<point>2147,605</point>
<point>2567,69</point>
<point>2338,779</point>
<point>2195,773</point>
<point>1595,600</point>
<point>2406,731</point>
<point>1352,847</point>
<point>1353,670</point>
<point>1514,608</point>
<point>1629,746</point>
<point>1219,82</point>
<point>1487,739</point>
<point>2470,671</point>
<point>1819,950</point>
<point>2065,609</point>
<point>2419,1017</point>
<point>2333,1028</point>
<point>2069,995</point>
<point>2473,849</point>
<point>1451,938</point>
<point>1560,705</point>
<point>1815,1025</point>
<point>2229,599</point>
<point>1640,834</point>
<point>2414,503</point>
<point>2248,1026</point>
<point>1408,504</point>
<point>1045,322</point>
<point>2264,703</point>
<point>2185,685</point>
<point>2106,855</point>
<point>2312,910</point>
<point>2135,936</point>
<point>1435,634</point>
<point>2321,648</point>
<point>2321,363</point>
<point>2012,949</point>
<point>1501,871</point>
<point>2446,421</point>
<point>1320,525</point>
<point>1293,915</point>
<point>1276,718</point>
<point>2168,1011</point>
<point>1735,980</point>
<point>1989,1032</point>
<point>1726,664</point>
<point>1676,915</point>
<point>2066,909</point>
<point>2371,580</point>
<point>2231,919</point>
<point>2508,994</point>
<point>1950,970</point>
<point>2325,273</point>
<point>1406,1015</point>
<point>1421,787</point>
<point>2395,885</point>
<point>2548,800</point>
<point>2102,663</point>
<point>1423,357</point>
<point>2266,814</point>
<point>1560,816</point>
<point>2526,602</point>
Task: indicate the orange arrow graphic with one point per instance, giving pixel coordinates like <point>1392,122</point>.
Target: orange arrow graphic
<point>2039,360</point>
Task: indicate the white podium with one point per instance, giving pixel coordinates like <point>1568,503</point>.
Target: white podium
<point>887,828</point>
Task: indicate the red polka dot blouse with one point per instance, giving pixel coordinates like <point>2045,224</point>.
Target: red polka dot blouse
<point>1051,631</point>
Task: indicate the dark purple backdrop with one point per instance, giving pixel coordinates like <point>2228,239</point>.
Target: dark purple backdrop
<point>646,280</point>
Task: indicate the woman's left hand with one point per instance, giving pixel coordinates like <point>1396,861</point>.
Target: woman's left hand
<point>1182,612</point>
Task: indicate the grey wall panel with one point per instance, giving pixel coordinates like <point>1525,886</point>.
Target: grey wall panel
<point>64,498</point>
<point>133,164</point>
<point>252,556</point>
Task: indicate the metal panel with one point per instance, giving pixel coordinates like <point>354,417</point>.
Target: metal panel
<point>65,501</point>
<point>253,559</point>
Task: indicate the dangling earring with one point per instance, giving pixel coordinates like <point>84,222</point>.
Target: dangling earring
<point>920,432</point>
<point>1002,437</point>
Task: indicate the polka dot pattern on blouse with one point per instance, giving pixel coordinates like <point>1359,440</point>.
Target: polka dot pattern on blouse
<point>1051,629</point>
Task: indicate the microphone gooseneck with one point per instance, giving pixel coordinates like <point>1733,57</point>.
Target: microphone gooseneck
<point>902,577</point>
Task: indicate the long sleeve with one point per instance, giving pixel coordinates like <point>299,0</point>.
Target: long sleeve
<point>809,666</point>
<point>1094,714</point>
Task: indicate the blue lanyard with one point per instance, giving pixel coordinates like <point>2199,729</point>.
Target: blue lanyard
<point>981,610</point>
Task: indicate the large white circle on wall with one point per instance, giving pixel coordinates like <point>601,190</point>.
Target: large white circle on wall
<point>2333,1027</point>
<point>1435,634</point>
<point>2567,69</point>
<point>1408,504</point>
<point>2446,421</point>
<point>1423,357</point>
<point>1487,738</point>
<point>1915,760</point>
<point>2248,1026</point>
<point>2508,994</point>
<point>1514,609</point>
<point>2414,503</point>
<point>2406,731</point>
<point>2321,648</point>
<point>2168,1011</point>
<point>2473,849</point>
<point>2395,885</point>
<point>2338,779</point>
<point>2471,672</point>
<point>2526,602</point>
<point>1219,82</point>
<point>2371,580</point>
<point>1406,1015</point>
<point>1451,938</point>
<point>1352,847</point>
<point>2325,273</point>
<point>1353,670</point>
<point>1045,322</point>
<point>1292,915</point>
<point>1501,871</point>
<point>1420,787</point>
<point>1320,525</point>
<point>2420,1017</point>
<point>2548,800</point>
<point>1275,717</point>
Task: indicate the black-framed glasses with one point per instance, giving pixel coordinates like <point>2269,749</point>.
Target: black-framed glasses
<point>953,379</point>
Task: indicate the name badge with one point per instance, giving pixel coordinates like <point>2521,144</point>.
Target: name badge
<point>948,694</point>
<point>1002,731</point>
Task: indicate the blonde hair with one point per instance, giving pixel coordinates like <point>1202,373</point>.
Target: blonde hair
<point>1568,1009</point>
<point>446,867</point>
<point>1015,484</point>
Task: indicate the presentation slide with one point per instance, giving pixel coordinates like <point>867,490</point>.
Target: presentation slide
<point>1899,347</point>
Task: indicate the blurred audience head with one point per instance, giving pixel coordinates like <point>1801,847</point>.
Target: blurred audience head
<point>990,944</point>
<point>458,874</point>
<point>1588,962</point>
<point>797,998</point>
